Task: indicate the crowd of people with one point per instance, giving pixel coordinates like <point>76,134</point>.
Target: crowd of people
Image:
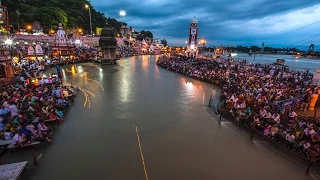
<point>27,104</point>
<point>266,98</point>
<point>125,51</point>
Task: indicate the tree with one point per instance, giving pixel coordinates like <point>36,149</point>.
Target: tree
<point>50,17</point>
<point>71,13</point>
<point>144,34</point>
<point>164,42</point>
<point>149,34</point>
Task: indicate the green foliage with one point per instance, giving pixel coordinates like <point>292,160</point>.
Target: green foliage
<point>144,34</point>
<point>267,49</point>
<point>71,13</point>
<point>164,42</point>
<point>50,17</point>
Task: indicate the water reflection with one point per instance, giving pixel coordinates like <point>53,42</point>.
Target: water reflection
<point>125,86</point>
<point>133,62</point>
<point>63,74</point>
<point>145,62</point>
<point>79,69</point>
<point>294,62</point>
<point>73,70</point>
<point>100,74</point>
<point>190,84</point>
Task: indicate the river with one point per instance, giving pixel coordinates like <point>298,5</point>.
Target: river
<point>137,121</point>
<point>292,61</point>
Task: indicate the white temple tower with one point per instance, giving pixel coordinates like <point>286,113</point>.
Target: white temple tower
<point>61,46</point>
<point>192,50</point>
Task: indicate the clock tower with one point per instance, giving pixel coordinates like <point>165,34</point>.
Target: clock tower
<point>193,39</point>
<point>193,32</point>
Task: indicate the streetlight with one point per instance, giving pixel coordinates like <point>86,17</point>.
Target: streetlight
<point>8,42</point>
<point>29,27</point>
<point>80,31</point>
<point>51,31</point>
<point>88,7</point>
<point>122,14</point>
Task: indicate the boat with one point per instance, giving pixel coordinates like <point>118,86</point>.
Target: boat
<point>279,62</point>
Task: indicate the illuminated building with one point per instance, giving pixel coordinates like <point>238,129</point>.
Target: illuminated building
<point>192,50</point>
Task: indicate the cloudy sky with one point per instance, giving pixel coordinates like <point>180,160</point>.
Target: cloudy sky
<point>227,22</point>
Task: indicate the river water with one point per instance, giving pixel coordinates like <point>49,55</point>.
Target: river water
<point>292,61</point>
<point>137,121</point>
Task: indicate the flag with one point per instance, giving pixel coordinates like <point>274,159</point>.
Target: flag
<point>98,31</point>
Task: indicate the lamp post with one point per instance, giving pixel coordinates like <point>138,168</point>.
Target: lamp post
<point>89,8</point>
<point>122,13</point>
<point>18,14</point>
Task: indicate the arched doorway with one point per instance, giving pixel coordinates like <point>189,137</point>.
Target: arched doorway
<point>2,71</point>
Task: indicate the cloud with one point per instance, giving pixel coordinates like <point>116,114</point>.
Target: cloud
<point>230,21</point>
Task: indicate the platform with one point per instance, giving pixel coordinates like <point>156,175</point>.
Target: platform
<point>12,171</point>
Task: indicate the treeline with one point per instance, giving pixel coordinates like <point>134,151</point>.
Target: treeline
<point>47,14</point>
<point>247,49</point>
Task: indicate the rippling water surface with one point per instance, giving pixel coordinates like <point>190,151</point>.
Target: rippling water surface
<point>180,137</point>
<point>293,62</point>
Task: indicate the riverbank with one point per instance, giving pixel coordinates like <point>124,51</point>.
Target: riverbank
<point>29,117</point>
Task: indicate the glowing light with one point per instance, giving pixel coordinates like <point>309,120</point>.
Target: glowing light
<point>68,71</point>
<point>8,41</point>
<point>85,92</point>
<point>122,13</point>
<point>202,41</point>
<point>86,77</point>
<point>192,46</point>
<point>189,84</point>
<point>87,6</point>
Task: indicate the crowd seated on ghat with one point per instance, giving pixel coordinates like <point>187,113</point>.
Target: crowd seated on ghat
<point>26,106</point>
<point>256,95</point>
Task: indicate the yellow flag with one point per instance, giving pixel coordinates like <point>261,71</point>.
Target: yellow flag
<point>98,31</point>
